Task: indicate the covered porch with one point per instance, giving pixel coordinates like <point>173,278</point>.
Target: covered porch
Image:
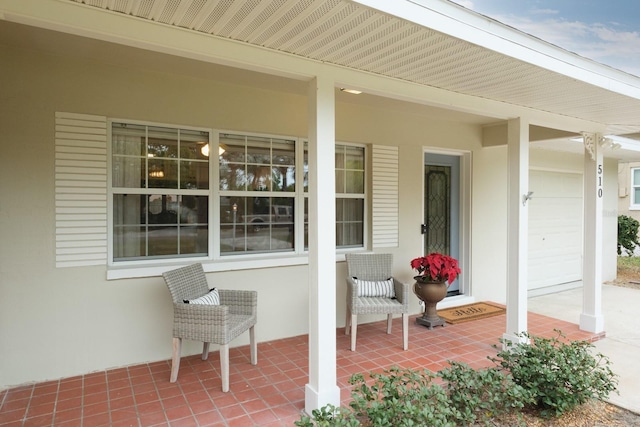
<point>269,394</point>
<point>436,79</point>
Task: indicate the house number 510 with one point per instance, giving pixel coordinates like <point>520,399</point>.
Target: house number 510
<point>599,181</point>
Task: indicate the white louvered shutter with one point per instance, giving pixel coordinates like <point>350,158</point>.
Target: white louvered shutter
<point>385,196</point>
<point>81,189</point>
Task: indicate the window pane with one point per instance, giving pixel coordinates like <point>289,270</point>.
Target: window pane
<point>194,175</point>
<point>163,173</point>
<point>636,196</point>
<point>349,170</point>
<point>163,142</point>
<point>349,222</point>
<point>258,178</point>
<point>306,223</point>
<point>340,181</point>
<point>159,225</point>
<point>283,178</point>
<point>256,224</point>
<point>232,176</point>
<point>354,157</point>
<point>129,242</point>
<point>636,176</point>
<point>191,144</point>
<point>306,167</point>
<point>128,139</point>
<point>234,148</point>
<point>163,241</point>
<point>354,182</point>
<point>258,150</point>
<point>284,152</point>
<point>128,172</point>
<point>340,161</point>
<point>194,240</point>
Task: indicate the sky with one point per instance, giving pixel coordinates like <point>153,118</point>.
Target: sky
<point>606,31</point>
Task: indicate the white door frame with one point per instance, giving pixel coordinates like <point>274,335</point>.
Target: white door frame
<point>464,223</point>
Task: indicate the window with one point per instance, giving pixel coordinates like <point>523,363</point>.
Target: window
<point>169,200</point>
<point>635,188</point>
<point>350,196</point>
<point>257,194</point>
<point>160,192</point>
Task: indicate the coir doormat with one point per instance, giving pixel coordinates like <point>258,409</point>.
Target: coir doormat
<point>468,312</point>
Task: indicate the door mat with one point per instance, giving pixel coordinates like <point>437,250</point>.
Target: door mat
<point>468,312</point>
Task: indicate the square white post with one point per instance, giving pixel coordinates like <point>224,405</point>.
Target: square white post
<point>518,227</point>
<point>322,388</point>
<point>591,318</point>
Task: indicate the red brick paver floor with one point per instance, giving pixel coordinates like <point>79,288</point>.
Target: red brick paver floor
<point>269,394</point>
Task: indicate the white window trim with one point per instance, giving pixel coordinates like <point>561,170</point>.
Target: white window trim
<point>111,264</point>
<point>215,261</point>
<point>633,206</point>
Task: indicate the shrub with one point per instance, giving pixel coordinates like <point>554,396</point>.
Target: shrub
<point>482,395</point>
<point>559,376</point>
<point>396,398</point>
<point>328,416</point>
<point>401,397</point>
<point>627,234</point>
<point>546,375</point>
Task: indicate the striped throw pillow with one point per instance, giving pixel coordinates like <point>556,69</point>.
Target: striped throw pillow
<point>210,298</point>
<point>375,288</point>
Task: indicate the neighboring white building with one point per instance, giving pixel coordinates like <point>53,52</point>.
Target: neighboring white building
<point>629,189</point>
<point>106,107</point>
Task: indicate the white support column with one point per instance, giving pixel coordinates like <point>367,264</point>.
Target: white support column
<point>518,228</point>
<point>322,388</point>
<point>591,318</point>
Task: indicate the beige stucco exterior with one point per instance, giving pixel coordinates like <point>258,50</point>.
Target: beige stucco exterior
<point>58,322</point>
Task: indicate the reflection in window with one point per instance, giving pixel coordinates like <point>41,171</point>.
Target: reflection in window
<point>160,186</point>
<point>350,193</point>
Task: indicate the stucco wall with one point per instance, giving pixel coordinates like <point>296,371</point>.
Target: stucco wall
<point>57,322</point>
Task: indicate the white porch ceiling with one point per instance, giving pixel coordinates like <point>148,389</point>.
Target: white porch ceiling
<point>351,35</point>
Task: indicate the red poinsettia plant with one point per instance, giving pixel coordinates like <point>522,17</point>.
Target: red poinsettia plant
<point>437,267</point>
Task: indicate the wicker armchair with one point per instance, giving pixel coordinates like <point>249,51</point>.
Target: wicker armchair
<point>218,324</point>
<point>374,267</point>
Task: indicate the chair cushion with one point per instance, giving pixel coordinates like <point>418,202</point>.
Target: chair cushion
<point>210,298</point>
<point>375,288</point>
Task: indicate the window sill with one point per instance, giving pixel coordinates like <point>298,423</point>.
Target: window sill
<point>147,270</point>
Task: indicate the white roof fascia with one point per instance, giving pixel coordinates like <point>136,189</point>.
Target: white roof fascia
<point>82,20</point>
<point>454,20</point>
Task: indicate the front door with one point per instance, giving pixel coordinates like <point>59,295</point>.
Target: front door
<point>442,207</point>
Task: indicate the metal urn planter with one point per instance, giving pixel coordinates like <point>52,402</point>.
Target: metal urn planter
<point>431,293</point>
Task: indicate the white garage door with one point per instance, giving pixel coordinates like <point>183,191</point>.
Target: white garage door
<point>555,229</point>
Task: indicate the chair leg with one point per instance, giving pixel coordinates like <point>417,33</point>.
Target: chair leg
<point>405,331</point>
<point>175,359</point>
<point>389,320</point>
<point>224,366</point>
<point>354,331</point>
<point>253,345</point>
<point>205,351</point>
<point>347,322</point>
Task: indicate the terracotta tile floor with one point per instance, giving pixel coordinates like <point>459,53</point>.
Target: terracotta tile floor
<point>269,394</point>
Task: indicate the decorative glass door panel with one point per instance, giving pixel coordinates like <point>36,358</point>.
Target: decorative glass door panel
<point>441,226</point>
<point>438,209</point>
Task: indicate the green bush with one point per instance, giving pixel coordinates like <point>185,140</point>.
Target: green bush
<point>627,234</point>
<point>483,394</point>
<point>396,398</point>
<point>548,376</point>
<point>559,376</point>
